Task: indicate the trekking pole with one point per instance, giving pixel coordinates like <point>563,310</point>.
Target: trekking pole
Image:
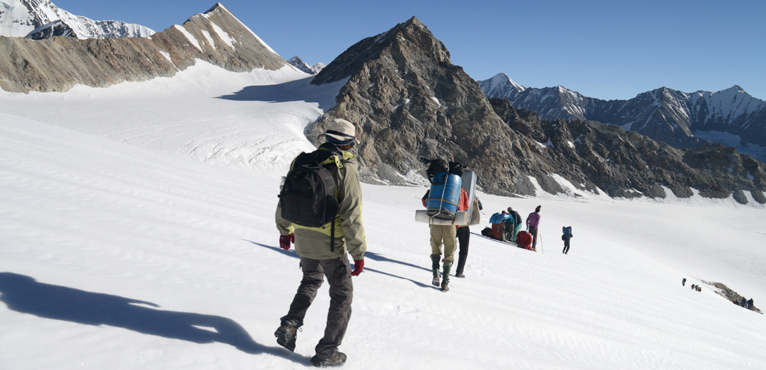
<point>541,242</point>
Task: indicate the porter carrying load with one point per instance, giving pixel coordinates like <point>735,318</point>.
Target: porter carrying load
<point>442,199</point>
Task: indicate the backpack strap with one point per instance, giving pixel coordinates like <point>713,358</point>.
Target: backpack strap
<point>332,236</point>
<point>328,157</point>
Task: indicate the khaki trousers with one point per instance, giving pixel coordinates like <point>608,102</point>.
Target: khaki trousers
<point>447,235</point>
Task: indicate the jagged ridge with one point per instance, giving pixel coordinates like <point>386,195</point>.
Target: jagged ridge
<point>683,120</point>
<point>41,19</point>
<point>215,36</point>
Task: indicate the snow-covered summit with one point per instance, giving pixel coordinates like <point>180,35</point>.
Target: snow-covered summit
<point>500,85</point>
<point>40,19</point>
<point>297,62</point>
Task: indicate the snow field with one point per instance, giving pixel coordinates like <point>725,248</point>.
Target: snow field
<point>157,259</point>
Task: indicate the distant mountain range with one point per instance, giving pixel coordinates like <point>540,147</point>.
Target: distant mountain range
<point>41,19</point>
<point>303,66</point>
<point>683,120</point>
<point>216,37</point>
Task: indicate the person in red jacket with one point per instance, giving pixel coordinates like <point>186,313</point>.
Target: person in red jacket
<point>463,235</point>
<point>524,240</point>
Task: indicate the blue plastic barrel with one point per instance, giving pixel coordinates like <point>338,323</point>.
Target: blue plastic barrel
<point>444,195</point>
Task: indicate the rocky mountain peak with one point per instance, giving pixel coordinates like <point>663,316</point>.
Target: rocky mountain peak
<point>409,101</point>
<point>218,6</point>
<point>409,35</point>
<point>298,63</point>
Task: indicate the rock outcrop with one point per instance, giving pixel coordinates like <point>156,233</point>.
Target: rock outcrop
<point>59,63</point>
<point>410,101</point>
<point>627,164</point>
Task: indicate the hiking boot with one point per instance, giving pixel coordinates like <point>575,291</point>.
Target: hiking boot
<point>287,334</point>
<point>460,275</point>
<point>447,267</point>
<point>337,359</point>
<point>445,287</point>
<point>435,264</point>
<point>435,268</point>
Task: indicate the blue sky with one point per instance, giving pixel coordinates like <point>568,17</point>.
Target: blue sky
<point>602,49</point>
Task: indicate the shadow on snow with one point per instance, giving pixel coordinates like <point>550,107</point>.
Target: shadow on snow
<point>371,255</point>
<point>291,91</point>
<point>24,294</point>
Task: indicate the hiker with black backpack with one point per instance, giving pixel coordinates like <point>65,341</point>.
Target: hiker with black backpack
<point>320,210</point>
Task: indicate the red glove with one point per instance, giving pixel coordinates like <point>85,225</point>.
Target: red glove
<point>358,267</point>
<point>286,240</point>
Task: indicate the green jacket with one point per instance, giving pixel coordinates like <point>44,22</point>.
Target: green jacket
<point>314,242</point>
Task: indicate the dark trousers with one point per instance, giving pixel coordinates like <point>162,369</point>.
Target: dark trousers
<point>463,236</point>
<point>566,245</point>
<point>338,274</point>
<point>533,231</point>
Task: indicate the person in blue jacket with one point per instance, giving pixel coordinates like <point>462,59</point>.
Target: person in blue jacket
<point>567,230</point>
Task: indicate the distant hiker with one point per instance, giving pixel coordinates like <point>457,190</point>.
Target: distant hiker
<point>533,221</point>
<point>322,249</point>
<point>524,240</point>
<point>743,302</point>
<point>513,225</point>
<point>447,235</point>
<point>683,282</point>
<point>464,235</point>
<point>567,234</point>
<point>750,304</point>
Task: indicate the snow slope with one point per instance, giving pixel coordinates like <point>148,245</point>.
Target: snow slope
<point>249,121</point>
<point>123,248</point>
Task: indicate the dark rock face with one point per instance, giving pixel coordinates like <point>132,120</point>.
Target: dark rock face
<point>409,101</point>
<point>57,28</point>
<point>627,164</point>
<point>59,63</point>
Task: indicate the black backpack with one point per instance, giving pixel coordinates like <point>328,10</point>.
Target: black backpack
<point>308,195</point>
<point>434,166</point>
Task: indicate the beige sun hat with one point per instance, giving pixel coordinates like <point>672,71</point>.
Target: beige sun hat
<point>341,131</point>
